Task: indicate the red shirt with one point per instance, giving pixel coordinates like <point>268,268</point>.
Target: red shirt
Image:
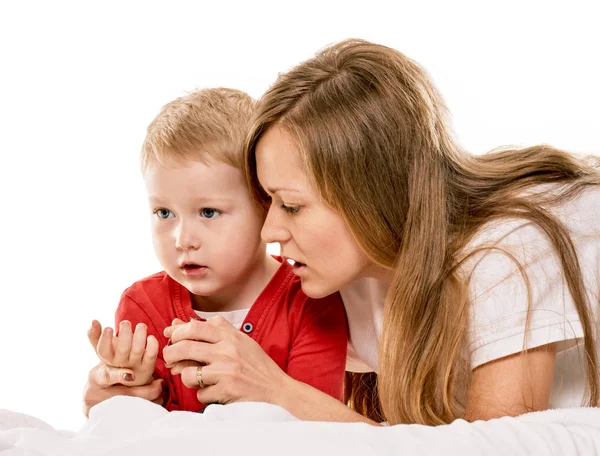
<point>306,337</point>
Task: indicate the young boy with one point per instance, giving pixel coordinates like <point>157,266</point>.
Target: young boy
<point>206,235</point>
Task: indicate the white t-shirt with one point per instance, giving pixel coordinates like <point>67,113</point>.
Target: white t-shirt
<point>498,296</point>
<point>235,317</point>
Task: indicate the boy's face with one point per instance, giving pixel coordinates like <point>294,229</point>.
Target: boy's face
<point>205,226</point>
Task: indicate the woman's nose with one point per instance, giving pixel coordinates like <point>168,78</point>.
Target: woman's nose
<point>274,230</point>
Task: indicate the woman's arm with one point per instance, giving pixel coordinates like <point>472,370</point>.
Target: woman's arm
<point>512,385</point>
<point>237,369</point>
<point>309,404</point>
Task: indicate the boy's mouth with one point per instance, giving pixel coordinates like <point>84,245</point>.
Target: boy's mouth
<point>192,268</point>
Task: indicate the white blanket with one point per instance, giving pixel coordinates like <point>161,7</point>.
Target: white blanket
<point>130,426</point>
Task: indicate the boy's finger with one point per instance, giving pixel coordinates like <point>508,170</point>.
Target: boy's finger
<point>123,346</point>
<point>94,333</point>
<point>104,349</point>
<point>150,355</point>
<point>138,344</point>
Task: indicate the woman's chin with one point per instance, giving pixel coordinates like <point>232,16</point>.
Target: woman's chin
<point>315,290</point>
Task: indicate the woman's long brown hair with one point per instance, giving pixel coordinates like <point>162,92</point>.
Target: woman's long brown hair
<point>373,133</point>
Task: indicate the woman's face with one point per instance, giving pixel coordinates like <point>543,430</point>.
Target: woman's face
<point>314,236</point>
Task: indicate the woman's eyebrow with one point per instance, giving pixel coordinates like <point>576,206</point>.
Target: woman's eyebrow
<point>279,189</point>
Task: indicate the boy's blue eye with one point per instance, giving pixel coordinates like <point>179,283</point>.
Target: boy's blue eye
<point>209,212</point>
<point>163,213</point>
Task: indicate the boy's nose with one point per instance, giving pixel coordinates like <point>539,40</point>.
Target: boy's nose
<point>186,239</point>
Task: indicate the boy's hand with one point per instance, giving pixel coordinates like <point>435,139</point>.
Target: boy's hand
<point>134,351</point>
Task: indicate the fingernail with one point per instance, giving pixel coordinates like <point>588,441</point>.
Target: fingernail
<point>167,332</point>
<point>128,377</point>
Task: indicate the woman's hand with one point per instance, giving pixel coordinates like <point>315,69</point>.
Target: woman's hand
<point>233,366</point>
<point>104,382</point>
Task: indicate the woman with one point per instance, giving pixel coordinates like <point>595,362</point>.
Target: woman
<point>470,283</point>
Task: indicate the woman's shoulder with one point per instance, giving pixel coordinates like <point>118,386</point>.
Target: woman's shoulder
<point>516,280</point>
<point>508,256</point>
<point>580,215</point>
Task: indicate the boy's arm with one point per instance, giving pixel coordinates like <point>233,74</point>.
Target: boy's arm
<point>318,353</point>
<point>134,312</point>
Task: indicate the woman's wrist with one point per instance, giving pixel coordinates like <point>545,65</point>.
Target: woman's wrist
<point>283,390</point>
<point>309,404</point>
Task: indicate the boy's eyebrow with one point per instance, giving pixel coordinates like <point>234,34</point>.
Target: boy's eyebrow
<point>218,199</point>
<point>155,198</point>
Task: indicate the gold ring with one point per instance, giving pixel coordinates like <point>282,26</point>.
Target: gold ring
<point>199,376</point>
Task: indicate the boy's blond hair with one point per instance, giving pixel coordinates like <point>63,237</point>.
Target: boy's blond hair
<point>205,123</point>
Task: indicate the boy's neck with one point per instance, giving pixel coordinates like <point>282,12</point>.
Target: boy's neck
<point>242,296</point>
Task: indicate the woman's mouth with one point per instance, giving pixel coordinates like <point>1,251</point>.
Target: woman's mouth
<point>297,267</point>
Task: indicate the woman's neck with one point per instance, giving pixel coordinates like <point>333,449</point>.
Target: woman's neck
<point>378,272</point>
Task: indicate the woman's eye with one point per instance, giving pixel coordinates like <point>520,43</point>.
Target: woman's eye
<point>209,212</point>
<point>290,209</point>
<point>164,213</point>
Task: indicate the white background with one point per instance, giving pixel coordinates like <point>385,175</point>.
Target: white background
<point>80,81</point>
